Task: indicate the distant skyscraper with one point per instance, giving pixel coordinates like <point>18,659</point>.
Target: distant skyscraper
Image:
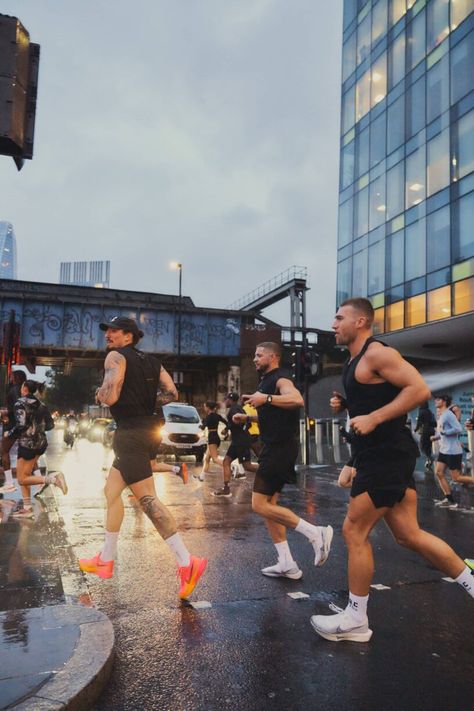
<point>7,251</point>
<point>85,274</point>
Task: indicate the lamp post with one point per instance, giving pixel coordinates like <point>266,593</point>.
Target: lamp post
<point>179,267</point>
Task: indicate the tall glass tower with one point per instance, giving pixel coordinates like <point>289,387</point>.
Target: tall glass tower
<point>7,251</point>
<point>406,215</point>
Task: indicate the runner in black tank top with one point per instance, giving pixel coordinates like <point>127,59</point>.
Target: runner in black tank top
<point>278,404</point>
<point>135,385</point>
<point>211,422</point>
<point>380,389</point>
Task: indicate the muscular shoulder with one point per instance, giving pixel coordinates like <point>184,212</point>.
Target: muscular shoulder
<point>377,355</point>
<point>114,359</point>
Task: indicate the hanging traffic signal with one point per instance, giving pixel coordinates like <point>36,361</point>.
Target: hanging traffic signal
<point>296,364</point>
<point>311,364</point>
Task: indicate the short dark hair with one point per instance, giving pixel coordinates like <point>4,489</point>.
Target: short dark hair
<point>31,385</point>
<point>271,346</point>
<point>210,404</point>
<point>18,377</point>
<point>363,305</point>
<point>447,399</point>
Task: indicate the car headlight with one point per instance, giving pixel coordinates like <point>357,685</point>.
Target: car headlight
<point>163,432</point>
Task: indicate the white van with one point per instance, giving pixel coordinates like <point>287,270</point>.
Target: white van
<point>181,434</point>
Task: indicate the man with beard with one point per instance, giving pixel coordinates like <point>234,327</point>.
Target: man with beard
<point>135,386</point>
<point>278,403</point>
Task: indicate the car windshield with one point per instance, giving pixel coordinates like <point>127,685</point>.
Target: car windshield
<point>181,413</point>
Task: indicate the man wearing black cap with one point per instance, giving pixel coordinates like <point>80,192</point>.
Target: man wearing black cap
<point>239,447</point>
<point>135,385</point>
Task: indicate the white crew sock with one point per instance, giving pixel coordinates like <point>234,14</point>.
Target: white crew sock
<point>241,469</point>
<point>285,558</point>
<point>50,478</point>
<point>307,529</point>
<point>466,580</point>
<point>37,472</point>
<point>109,551</point>
<point>176,544</point>
<point>8,477</point>
<point>357,606</point>
<point>175,469</point>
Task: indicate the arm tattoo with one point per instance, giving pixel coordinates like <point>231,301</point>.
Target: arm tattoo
<point>163,397</point>
<point>109,391</point>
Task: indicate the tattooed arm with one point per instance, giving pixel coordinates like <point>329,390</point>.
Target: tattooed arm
<point>109,391</point>
<point>167,392</point>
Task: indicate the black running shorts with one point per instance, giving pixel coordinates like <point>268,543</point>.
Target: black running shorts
<point>385,473</point>
<point>213,438</point>
<point>276,467</point>
<point>29,454</point>
<point>134,448</point>
<point>240,452</point>
<point>452,461</point>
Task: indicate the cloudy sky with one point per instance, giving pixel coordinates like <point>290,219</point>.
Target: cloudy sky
<point>203,131</point>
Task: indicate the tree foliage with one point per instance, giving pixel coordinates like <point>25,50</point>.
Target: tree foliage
<point>71,392</point>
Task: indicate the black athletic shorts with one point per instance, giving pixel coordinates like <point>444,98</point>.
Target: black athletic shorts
<point>276,467</point>
<point>452,461</point>
<point>240,452</point>
<point>29,454</point>
<point>134,448</point>
<point>213,438</point>
<point>385,473</point>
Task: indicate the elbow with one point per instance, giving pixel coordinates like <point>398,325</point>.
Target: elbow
<point>425,394</point>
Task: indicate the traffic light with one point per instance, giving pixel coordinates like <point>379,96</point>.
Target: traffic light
<point>296,364</point>
<point>311,364</point>
<point>19,64</point>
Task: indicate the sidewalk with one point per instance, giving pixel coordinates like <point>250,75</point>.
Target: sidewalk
<point>56,650</point>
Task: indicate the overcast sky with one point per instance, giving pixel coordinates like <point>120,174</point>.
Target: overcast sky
<point>203,131</point>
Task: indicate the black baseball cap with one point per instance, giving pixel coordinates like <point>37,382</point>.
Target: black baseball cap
<point>232,396</point>
<point>128,325</point>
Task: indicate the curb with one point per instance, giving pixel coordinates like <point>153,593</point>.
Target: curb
<point>77,686</point>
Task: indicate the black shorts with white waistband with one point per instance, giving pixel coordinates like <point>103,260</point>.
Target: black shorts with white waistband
<point>276,467</point>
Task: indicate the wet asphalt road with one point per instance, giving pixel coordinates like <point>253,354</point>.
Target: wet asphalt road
<point>254,648</point>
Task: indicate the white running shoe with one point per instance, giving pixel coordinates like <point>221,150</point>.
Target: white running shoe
<point>444,503</point>
<point>7,489</point>
<point>275,571</point>
<point>60,481</point>
<point>453,507</point>
<point>341,627</point>
<point>322,544</point>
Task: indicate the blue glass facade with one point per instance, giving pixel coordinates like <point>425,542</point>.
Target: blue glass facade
<point>7,251</point>
<point>406,196</point>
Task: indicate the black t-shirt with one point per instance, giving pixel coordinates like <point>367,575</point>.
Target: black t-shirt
<point>138,395</point>
<point>211,421</point>
<point>239,433</point>
<point>276,423</point>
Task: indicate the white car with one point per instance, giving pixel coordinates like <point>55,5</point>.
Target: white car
<point>181,433</point>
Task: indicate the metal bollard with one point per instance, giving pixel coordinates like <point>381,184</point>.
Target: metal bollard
<point>335,434</point>
<point>319,427</point>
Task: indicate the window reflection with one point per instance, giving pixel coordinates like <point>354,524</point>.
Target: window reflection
<point>379,320</point>
<point>377,140</point>
<point>462,62</point>
<point>395,251</point>
<point>377,203</point>
<point>379,80</point>
<point>415,250</point>
<point>395,190</point>
<point>416,40</point>
<point>395,124</point>
<point>463,159</point>
<point>349,56</point>
<point>363,39</point>
<point>463,296</point>
<point>377,267</point>
<point>439,303</point>
<point>345,224</point>
<point>379,20</point>
<point>397,10</point>
<point>362,212</point>
<point>359,273</point>
<point>464,237</point>
<point>460,9</point>
<point>415,178</point>
<point>394,316</point>
<point>438,162</point>
<point>437,21</point>
<point>363,95</point>
<point>439,239</point>
<point>347,165</point>
<point>397,60</point>
<point>415,310</point>
<point>416,118</point>
<point>437,89</point>
<point>348,109</point>
<point>344,284</point>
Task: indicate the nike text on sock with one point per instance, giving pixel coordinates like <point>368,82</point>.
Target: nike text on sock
<point>357,606</point>
<point>466,581</point>
<point>175,542</point>
<point>109,551</point>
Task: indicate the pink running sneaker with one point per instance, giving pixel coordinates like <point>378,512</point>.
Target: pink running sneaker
<point>104,569</point>
<point>190,574</point>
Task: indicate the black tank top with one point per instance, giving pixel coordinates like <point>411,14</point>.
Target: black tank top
<point>138,395</point>
<point>211,421</point>
<point>364,398</point>
<point>276,424</point>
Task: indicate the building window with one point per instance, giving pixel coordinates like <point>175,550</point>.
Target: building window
<point>349,57</point>
<point>437,21</point>
<point>363,95</point>
<point>395,259</point>
<point>415,113</point>
<point>464,296</point>
<point>437,89</point>
<point>415,178</point>
<point>438,252</point>
<point>395,190</point>
<point>415,250</point>
<point>462,61</point>
<point>379,320</point>
<point>347,165</point>
<point>416,40</point>
<point>377,268</point>
<point>362,152</point>
<point>379,80</point>
<point>460,9</point>
<point>379,21</point>
<point>438,162</point>
<point>377,140</point>
<point>362,212</point>
<point>345,223</point>
<point>395,124</point>
<point>439,303</point>
<point>394,316</point>
<point>415,310</point>
<point>377,203</point>
<point>463,236</point>
<point>344,273</point>
<point>348,109</point>
<point>397,60</point>
<point>363,39</point>
<point>397,10</point>
<point>463,160</point>
<point>359,273</point>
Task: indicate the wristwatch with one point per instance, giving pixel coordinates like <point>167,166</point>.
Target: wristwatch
<point>269,399</point>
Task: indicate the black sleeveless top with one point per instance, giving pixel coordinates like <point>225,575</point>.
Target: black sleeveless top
<point>138,395</point>
<point>211,421</point>
<point>276,424</point>
<point>364,398</point>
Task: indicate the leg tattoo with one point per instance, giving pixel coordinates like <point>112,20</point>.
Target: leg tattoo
<point>159,516</point>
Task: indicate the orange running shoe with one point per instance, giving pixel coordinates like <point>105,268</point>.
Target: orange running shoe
<point>104,569</point>
<point>190,574</point>
<point>183,473</point>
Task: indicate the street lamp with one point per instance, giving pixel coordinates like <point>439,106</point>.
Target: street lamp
<point>179,267</point>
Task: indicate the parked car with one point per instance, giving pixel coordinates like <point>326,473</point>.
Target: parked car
<point>181,434</point>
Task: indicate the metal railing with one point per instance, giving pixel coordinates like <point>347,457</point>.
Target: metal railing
<point>267,287</point>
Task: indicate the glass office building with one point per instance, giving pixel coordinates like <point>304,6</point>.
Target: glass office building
<point>406,207</point>
<point>7,251</point>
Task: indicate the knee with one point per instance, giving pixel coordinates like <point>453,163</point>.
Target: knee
<point>407,539</point>
<point>455,474</point>
<point>259,507</point>
<point>352,534</point>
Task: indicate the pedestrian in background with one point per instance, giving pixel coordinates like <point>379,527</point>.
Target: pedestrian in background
<point>426,428</point>
<point>17,379</point>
